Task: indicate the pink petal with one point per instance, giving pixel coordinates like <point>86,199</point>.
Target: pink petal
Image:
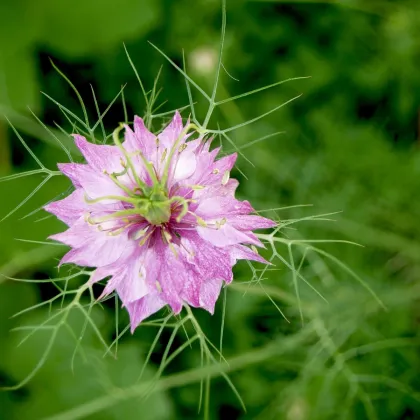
<point>207,260</point>
<point>143,308</point>
<point>128,278</point>
<point>209,293</point>
<point>225,235</point>
<point>92,248</point>
<point>219,207</point>
<point>185,165</point>
<point>100,157</point>
<point>240,252</point>
<point>204,168</point>
<point>218,190</point>
<point>171,132</point>
<point>94,183</point>
<point>225,163</point>
<point>69,209</point>
<point>142,139</point>
<point>250,222</point>
<point>164,267</point>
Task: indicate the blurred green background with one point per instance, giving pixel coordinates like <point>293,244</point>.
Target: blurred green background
<point>351,145</point>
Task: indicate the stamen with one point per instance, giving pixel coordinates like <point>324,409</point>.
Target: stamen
<point>225,178</point>
<point>116,232</point>
<point>111,197</point>
<point>145,239</point>
<point>201,222</point>
<point>166,236</point>
<point>117,182</point>
<point>165,152</point>
<point>184,203</point>
<point>173,249</point>
<point>149,167</point>
<point>220,223</point>
<point>123,172</point>
<point>117,214</point>
<point>140,233</point>
<point>197,187</point>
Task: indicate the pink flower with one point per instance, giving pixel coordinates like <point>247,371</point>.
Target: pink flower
<point>158,216</point>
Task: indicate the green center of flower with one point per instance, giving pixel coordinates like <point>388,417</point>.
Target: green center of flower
<point>155,207</point>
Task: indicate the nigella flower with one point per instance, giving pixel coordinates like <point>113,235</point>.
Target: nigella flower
<point>157,215</point>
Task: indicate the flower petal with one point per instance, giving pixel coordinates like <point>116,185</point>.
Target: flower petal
<point>128,278</point>
<point>94,183</point>
<point>209,293</point>
<point>226,235</point>
<point>240,252</point>
<point>219,207</point>
<point>171,132</point>
<point>100,157</point>
<point>250,222</point>
<point>69,209</point>
<point>185,165</point>
<point>143,308</point>
<point>91,247</point>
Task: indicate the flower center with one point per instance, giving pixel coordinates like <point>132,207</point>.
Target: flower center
<point>155,207</point>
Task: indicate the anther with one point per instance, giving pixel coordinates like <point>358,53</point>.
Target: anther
<point>225,178</point>
<point>201,222</point>
<point>165,152</point>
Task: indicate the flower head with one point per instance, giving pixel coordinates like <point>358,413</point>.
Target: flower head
<point>157,215</point>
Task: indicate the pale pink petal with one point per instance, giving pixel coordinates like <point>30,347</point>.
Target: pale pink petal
<point>139,140</point>
<point>217,190</point>
<point>225,163</point>
<point>226,235</point>
<point>219,207</point>
<point>143,308</point>
<point>168,271</point>
<point>204,168</point>
<point>207,260</point>
<point>250,222</point>
<point>100,157</point>
<point>92,247</point>
<point>240,252</point>
<point>94,183</point>
<point>171,132</point>
<point>69,209</point>
<point>128,279</point>
<point>185,165</point>
<point>209,293</point>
